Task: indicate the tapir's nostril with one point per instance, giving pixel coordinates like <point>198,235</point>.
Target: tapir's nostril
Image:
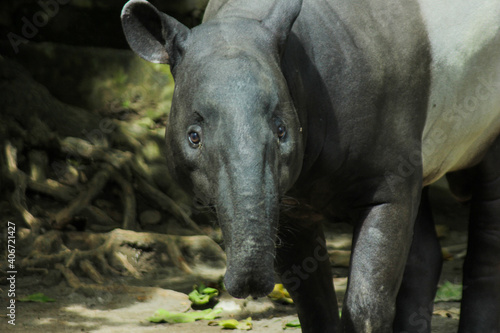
<point>243,284</point>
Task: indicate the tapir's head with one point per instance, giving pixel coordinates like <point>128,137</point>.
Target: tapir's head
<point>233,135</point>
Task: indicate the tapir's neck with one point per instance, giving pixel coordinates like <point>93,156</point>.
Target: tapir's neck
<point>300,72</point>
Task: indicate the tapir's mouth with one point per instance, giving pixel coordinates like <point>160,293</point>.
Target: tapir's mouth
<point>249,275</point>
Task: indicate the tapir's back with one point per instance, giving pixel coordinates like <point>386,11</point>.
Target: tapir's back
<point>464,105</point>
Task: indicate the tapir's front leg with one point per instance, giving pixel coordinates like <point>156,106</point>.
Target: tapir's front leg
<point>303,263</point>
<point>381,244</point>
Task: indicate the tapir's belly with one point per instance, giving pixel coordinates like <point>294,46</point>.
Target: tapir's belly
<point>463,114</point>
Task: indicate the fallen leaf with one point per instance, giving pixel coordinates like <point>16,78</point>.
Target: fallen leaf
<point>233,324</point>
<point>279,293</point>
<point>162,316</point>
<point>38,297</point>
<point>293,323</point>
<point>229,323</point>
<point>453,313</point>
<point>202,295</point>
<point>449,292</point>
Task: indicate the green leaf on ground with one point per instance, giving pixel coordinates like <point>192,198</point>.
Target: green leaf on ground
<point>280,294</point>
<point>202,295</point>
<point>162,316</point>
<point>293,323</point>
<point>449,292</point>
<point>38,297</point>
<point>233,324</point>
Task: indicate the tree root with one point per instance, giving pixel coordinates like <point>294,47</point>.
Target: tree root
<point>115,164</point>
<point>56,182</point>
<point>129,203</point>
<point>167,204</point>
<point>90,289</point>
<point>109,253</point>
<point>84,198</point>
<point>20,180</point>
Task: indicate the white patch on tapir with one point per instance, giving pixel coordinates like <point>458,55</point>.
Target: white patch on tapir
<point>464,106</point>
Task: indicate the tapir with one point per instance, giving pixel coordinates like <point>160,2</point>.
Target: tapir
<point>288,110</point>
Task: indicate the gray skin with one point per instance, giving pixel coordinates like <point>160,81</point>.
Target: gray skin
<point>284,110</point>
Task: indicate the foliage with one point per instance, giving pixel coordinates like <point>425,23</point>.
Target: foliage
<point>293,323</point>
<point>37,297</point>
<point>162,316</point>
<point>449,292</point>
<point>280,294</point>
<point>202,295</point>
<point>233,324</point>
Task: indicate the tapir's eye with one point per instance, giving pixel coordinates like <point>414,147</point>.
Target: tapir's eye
<point>194,139</point>
<point>281,131</point>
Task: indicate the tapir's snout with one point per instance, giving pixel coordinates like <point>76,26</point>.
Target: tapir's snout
<point>250,249</point>
<point>250,275</point>
<point>247,211</point>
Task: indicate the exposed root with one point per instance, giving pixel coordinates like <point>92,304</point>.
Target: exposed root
<point>56,183</point>
<point>129,203</point>
<point>53,188</point>
<point>84,198</point>
<point>115,163</point>
<point>88,268</point>
<point>167,204</point>
<point>20,180</point>
<point>108,252</point>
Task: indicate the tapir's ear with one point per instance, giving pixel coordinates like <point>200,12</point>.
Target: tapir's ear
<point>152,34</point>
<point>281,18</point>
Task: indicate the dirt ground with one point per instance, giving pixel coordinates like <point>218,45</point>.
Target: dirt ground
<point>126,308</point>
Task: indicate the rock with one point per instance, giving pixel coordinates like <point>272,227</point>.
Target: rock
<point>150,217</point>
<point>229,307</point>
